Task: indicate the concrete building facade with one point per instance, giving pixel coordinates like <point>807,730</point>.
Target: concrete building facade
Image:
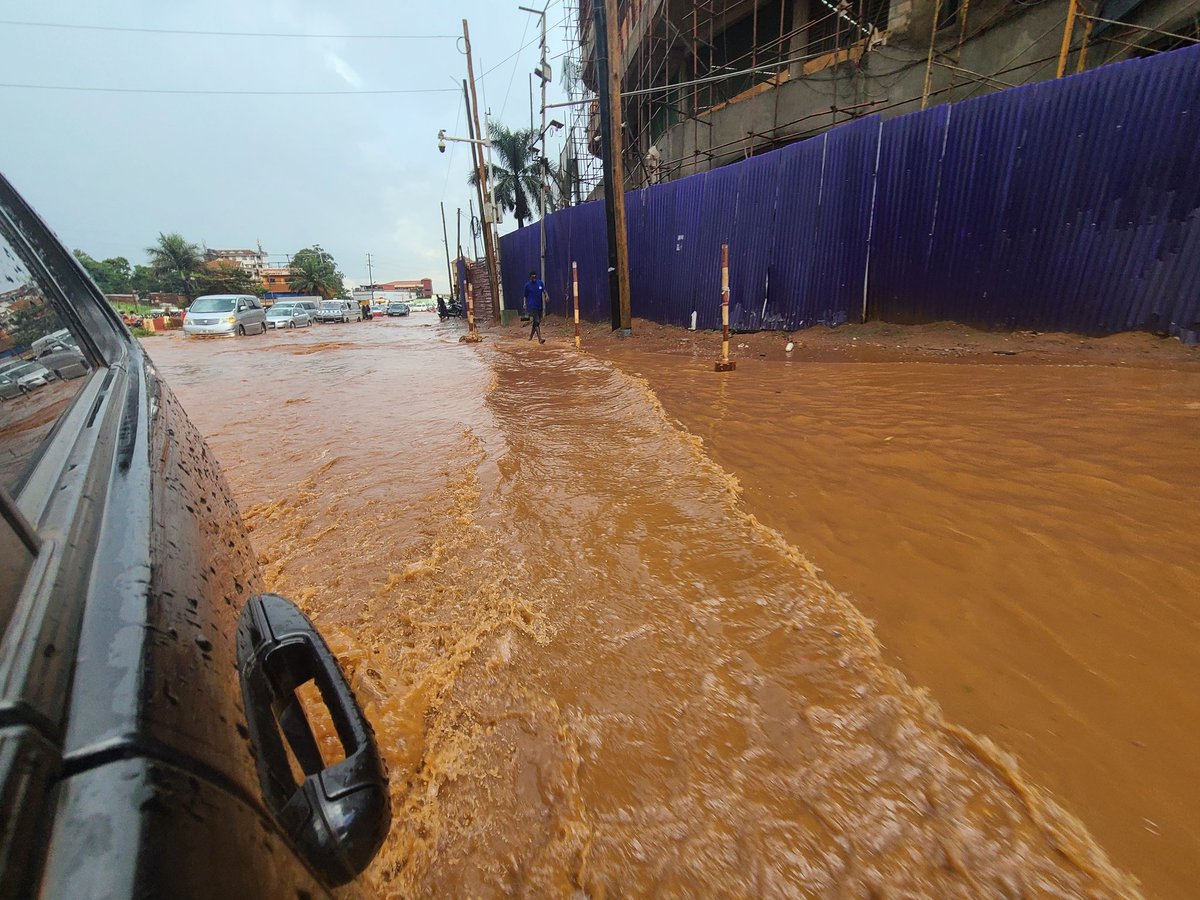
<point>710,83</point>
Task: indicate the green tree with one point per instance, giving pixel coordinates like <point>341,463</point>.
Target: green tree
<point>514,173</point>
<point>175,262</point>
<point>315,273</point>
<point>111,275</point>
<point>144,281</point>
<point>32,322</point>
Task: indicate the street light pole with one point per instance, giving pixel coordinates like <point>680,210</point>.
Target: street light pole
<point>543,74</point>
<point>371,278</point>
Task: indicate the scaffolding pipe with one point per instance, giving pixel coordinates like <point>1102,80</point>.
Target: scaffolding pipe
<point>1068,31</point>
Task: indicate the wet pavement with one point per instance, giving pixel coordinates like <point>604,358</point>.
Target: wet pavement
<point>598,653</point>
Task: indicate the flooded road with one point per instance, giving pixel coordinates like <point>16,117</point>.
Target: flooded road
<point>592,664</point>
<point>1024,539</point>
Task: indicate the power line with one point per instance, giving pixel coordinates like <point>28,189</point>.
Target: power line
<point>118,90</point>
<point>261,34</point>
<point>519,49</point>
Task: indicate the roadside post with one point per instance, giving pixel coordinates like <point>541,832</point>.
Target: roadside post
<point>575,296</point>
<point>472,336</point>
<point>725,364</point>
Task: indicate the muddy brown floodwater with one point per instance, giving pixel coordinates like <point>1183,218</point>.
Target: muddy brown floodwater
<point>598,661</point>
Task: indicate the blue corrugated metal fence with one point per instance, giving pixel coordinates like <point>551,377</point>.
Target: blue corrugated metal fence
<point>1068,205</point>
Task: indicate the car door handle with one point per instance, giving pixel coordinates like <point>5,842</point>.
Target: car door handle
<point>338,815</point>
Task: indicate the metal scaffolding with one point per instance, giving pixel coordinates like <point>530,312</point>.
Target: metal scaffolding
<point>684,60</point>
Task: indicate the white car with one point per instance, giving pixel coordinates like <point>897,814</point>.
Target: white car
<point>29,374</point>
<point>338,311</point>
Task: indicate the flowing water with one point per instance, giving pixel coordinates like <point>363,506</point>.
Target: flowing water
<point>594,664</point>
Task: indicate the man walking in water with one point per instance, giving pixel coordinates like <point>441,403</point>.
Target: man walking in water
<point>535,296</point>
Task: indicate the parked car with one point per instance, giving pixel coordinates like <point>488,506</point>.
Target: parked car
<point>288,315</point>
<point>338,311</point>
<point>9,388</point>
<point>225,314</point>
<point>64,359</point>
<point>153,743</point>
<point>29,374</point>
<point>397,308</point>
<point>62,336</point>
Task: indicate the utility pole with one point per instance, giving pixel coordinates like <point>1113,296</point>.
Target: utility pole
<point>608,77</point>
<point>489,247</point>
<point>474,243</point>
<point>446,244</point>
<point>457,248</point>
<point>543,74</point>
<point>371,278</point>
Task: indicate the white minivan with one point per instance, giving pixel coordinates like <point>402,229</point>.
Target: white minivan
<point>225,314</point>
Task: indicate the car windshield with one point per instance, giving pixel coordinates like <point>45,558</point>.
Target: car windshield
<point>330,304</point>
<point>278,311</point>
<point>213,305</point>
<point>18,371</point>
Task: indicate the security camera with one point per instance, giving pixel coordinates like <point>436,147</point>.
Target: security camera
<point>441,140</point>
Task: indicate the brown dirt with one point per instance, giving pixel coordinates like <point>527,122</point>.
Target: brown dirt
<point>884,342</point>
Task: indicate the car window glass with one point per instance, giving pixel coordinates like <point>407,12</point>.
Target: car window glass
<point>41,362</point>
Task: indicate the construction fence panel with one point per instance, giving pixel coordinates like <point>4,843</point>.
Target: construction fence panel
<point>906,197</point>
<point>752,240</point>
<point>1065,205</point>
<point>518,257</point>
<point>792,269</point>
<point>1071,204</point>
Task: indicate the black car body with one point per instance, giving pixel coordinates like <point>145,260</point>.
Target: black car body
<point>147,685</point>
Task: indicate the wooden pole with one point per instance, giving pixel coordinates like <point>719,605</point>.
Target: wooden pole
<point>1068,32</point>
<point>608,77</point>
<point>575,296</point>
<point>1087,36</point>
<point>446,243</point>
<point>489,247</point>
<point>725,364</point>
<point>472,336</point>
<point>617,124</point>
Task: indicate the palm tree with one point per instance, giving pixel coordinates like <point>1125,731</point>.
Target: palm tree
<point>514,172</point>
<point>314,273</point>
<point>175,261</point>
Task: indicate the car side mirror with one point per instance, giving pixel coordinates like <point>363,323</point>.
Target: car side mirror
<point>338,815</point>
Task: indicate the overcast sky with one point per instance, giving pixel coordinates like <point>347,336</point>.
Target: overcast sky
<point>109,171</point>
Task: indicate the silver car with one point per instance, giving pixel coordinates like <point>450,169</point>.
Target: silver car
<point>10,388</point>
<point>29,375</point>
<point>225,314</point>
<point>64,359</point>
<point>289,315</point>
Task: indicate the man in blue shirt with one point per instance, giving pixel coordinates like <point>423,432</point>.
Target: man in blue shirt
<point>535,302</point>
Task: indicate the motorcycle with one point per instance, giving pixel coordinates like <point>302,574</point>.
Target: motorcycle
<point>453,310</point>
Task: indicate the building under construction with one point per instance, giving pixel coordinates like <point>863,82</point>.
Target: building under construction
<point>708,83</point>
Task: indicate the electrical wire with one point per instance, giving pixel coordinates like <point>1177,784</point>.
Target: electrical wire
<point>516,64</point>
<point>221,93</point>
<point>561,22</point>
<point>257,34</point>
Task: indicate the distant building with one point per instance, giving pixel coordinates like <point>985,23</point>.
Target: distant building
<point>253,261</point>
<point>420,288</point>
<point>277,283</point>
